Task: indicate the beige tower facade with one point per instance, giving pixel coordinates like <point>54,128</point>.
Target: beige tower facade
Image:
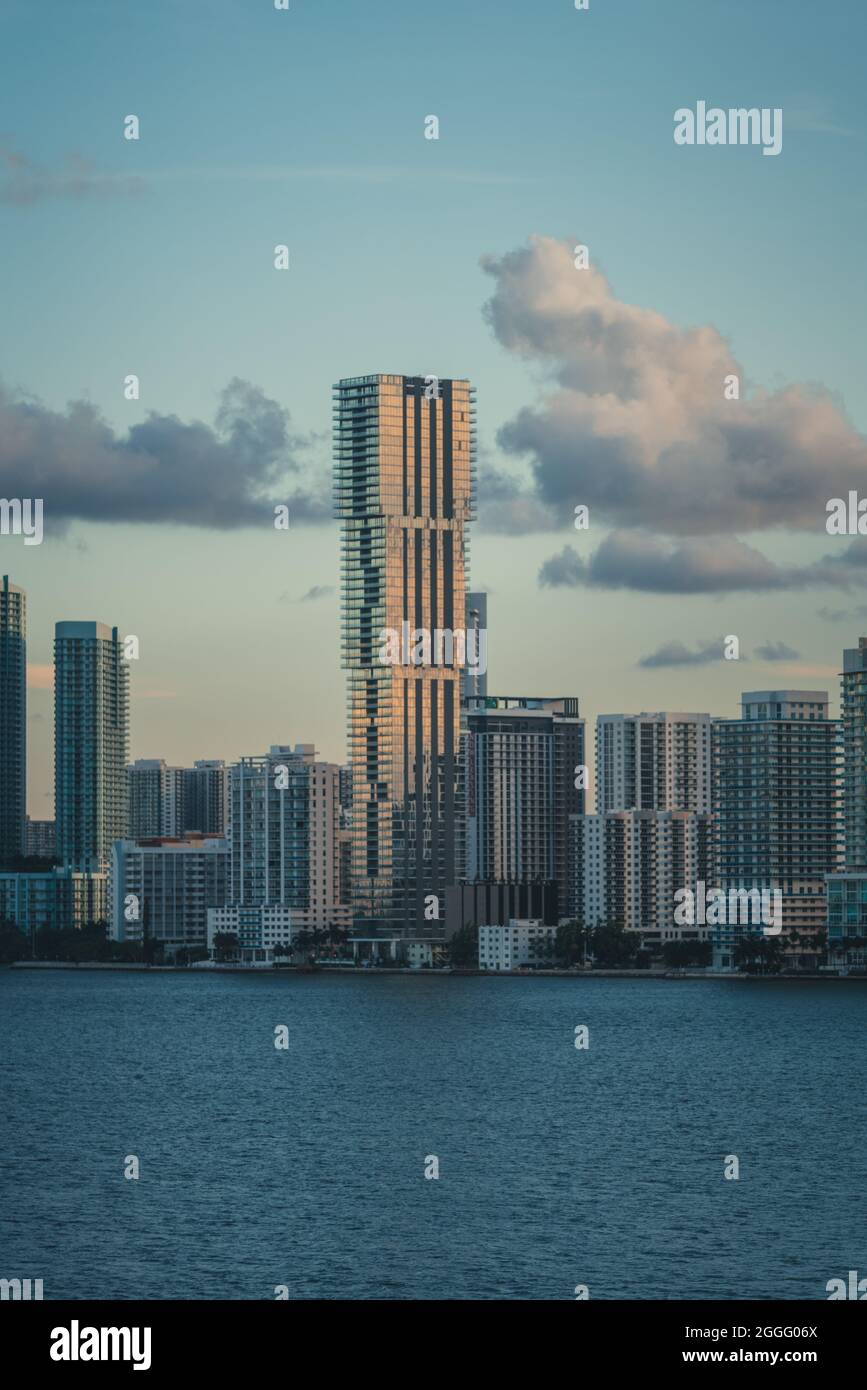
<point>404,491</point>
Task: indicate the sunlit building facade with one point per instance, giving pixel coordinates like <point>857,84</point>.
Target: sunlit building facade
<point>404,490</point>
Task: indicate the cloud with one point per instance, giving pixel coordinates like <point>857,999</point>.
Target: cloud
<point>814,118</point>
<point>676,654</point>
<point>633,421</point>
<point>318,591</point>
<point>164,470</point>
<point>649,564</point>
<point>23,183</point>
<point>832,615</point>
<point>777,651</point>
<point>508,507</point>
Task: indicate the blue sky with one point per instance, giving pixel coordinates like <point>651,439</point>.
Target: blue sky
<point>306,127</point>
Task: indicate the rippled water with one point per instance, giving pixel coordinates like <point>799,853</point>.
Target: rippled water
<point>305,1167</point>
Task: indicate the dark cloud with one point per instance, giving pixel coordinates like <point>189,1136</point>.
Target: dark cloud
<point>676,654</point>
<point>634,560</point>
<point>317,591</point>
<point>635,424</point>
<point>223,475</point>
<point>23,183</point>
<point>776,651</point>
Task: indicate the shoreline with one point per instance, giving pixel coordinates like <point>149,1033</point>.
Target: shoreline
<point>666,975</point>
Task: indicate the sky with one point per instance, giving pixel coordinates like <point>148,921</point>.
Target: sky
<point>455,257</point>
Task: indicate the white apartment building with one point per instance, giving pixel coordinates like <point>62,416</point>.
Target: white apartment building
<point>162,889</point>
<point>654,762</point>
<point>515,945</point>
<point>258,929</point>
<point>628,865</point>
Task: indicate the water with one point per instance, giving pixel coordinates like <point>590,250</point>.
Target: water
<point>305,1167</point>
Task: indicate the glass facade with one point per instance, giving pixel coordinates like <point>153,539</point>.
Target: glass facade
<point>853,709</point>
<point>404,471</point>
<point>777,806</point>
<point>91,731</point>
<point>13,718</point>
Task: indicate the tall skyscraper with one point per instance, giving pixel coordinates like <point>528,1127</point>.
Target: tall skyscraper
<point>653,762</point>
<point>91,732</point>
<point>404,490</point>
<point>853,711</point>
<point>13,719</point>
<point>522,757</point>
<point>777,805</point>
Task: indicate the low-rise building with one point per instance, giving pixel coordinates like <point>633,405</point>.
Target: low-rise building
<point>515,945</point>
<point>258,929</point>
<point>847,918</point>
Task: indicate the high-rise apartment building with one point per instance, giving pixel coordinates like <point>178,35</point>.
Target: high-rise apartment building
<point>170,801</point>
<point>777,823</point>
<point>628,866</point>
<point>653,762</point>
<point>284,844</point>
<point>523,782</point>
<point>404,489</point>
<point>39,839</point>
<point>161,889</point>
<point>91,731</point>
<point>853,712</point>
<point>156,798</point>
<point>206,796</point>
<point>13,719</point>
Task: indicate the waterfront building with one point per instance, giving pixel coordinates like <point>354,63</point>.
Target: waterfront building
<point>847,918</point>
<point>13,719</point>
<point>515,945</point>
<point>32,901</point>
<point>259,930</point>
<point>654,762</point>
<point>59,898</point>
<point>404,487</point>
<point>468,904</point>
<point>91,731</point>
<point>853,710</point>
<point>628,867</point>
<point>777,814</point>
<point>285,835</point>
<point>524,757</point>
<point>161,889</point>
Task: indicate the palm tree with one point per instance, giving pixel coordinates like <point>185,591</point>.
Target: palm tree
<point>747,950</point>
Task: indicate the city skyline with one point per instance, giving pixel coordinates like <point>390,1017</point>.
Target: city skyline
<point>430,256</point>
